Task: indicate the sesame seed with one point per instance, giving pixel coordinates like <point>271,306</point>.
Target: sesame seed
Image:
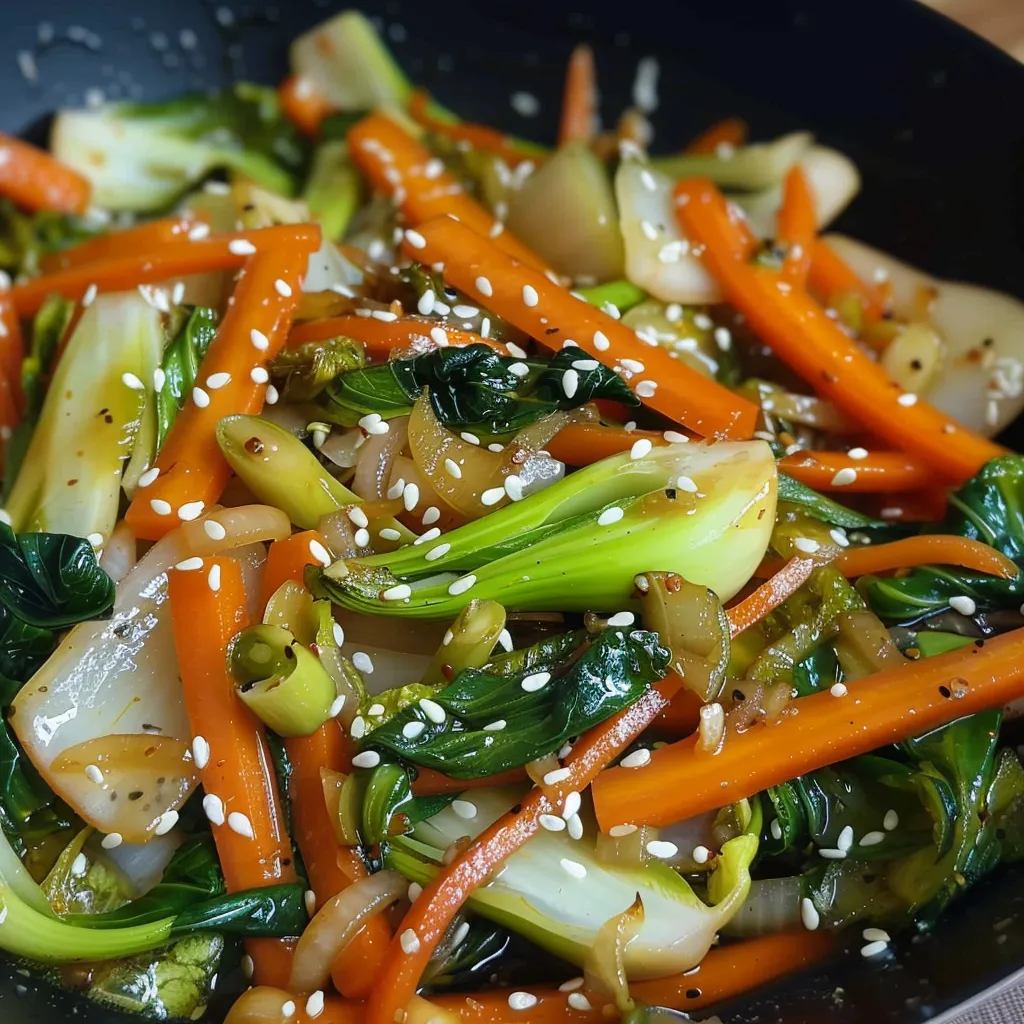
<point>93,774</point>
<point>200,397</point>
<point>357,516</point>
<point>213,578</point>
<point>425,304</point>
<point>483,286</point>
<point>663,850</point>
<point>338,633</point>
<point>160,507</point>
<point>552,778</point>
<point>570,382</point>
<point>646,388</point>
<point>640,448</point>
<point>399,593</point>
<point>806,545</point>
<point>361,660</point>
<point>460,586</point>
<point>551,822</point>
<point>423,538</point>
<point>165,823</point>
<point>218,380</point>
<point>362,538</point>
<point>259,340</point>
<point>505,639</point>
<point>495,726</point>
<point>315,1004</point>
<point>839,537</point>
<point>112,841</point>
<point>519,369</point>
<point>685,483</point>
<point>907,399</point>
<point>410,941</point>
<point>415,891</point>
<point>846,476</point>
<point>357,730</point>
<point>618,831</point>
<point>89,297</point>
<point>200,752</point>
<point>601,342</point>
<point>633,365</point>
<point>385,315</point>
<point>240,824</point>
<point>241,247</point>
<point>433,710</point>
<point>963,604</point>
<point>80,865</point>
<point>213,808</point>
<point>190,510</point>
<point>439,551</point>
<point>809,915</point>
<point>530,296</point>
<point>95,539</point>
<point>573,802</point>
<point>283,288</point>
<point>637,759</point>
<point>891,820</point>
<point>464,809</point>
<point>514,350</point>
<point>514,487</point>
<point>622,619</point>
<point>439,336</point>
<point>573,868</point>
<point>574,826</point>
<point>871,838</point>
<point>609,516</point>
<point>366,759</point>
<point>776,829</point>
<point>433,168</point>
<point>470,438</point>
<point>374,423</point>
<point>190,564</point>
<point>133,382</point>
<point>649,230</point>
<point>833,854</point>
<point>492,495</point>
<point>858,453</point>
<point>521,1000</point>
<point>410,496</point>
<point>873,949</point>
<point>845,838</point>
<point>415,239</point>
<point>838,690</point>
<point>536,681</point>
<point>259,375</point>
<point>452,467</point>
<point>201,231</point>
<point>571,985</point>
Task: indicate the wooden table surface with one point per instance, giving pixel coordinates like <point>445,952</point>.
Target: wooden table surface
<point>999,21</point>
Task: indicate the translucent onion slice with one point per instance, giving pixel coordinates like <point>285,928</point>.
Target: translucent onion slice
<point>376,458</point>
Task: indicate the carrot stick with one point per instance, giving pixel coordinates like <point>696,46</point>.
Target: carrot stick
<point>928,505</point>
<point>8,414</point>
<point>430,783</point>
<point>830,279</point>
<point>172,259</point>
<point>800,334</point>
<point>403,168</point>
<point>783,584</point>
<point>581,444</point>
<point>208,608</point>
<point>479,136</point>
<point>303,104</point>
<point>551,314</point>
<point>191,469</point>
<point>12,351</point>
<point>428,918</point>
<point>928,549</point>
<point>287,560</point>
<point>36,181</point>
<point>886,707</point>
<point>119,244</point>
<point>381,337</point>
<point>330,866</point>
<point>579,100</point>
<point>682,715</point>
<point>797,226</point>
<point>732,132</point>
<point>877,473</point>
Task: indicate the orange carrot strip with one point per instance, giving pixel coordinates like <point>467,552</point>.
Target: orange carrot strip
<point>681,781</point>
<point>479,136</point>
<point>12,352</point>
<point>878,473</point>
<point>551,314</point>
<point>800,334</point>
<point>725,972</point>
<point>430,783</point>
<point>429,917</point>
<point>172,259</point>
<point>928,549</point>
<point>208,608</point>
<point>830,278</point>
<point>382,338</point>
<point>732,131</point>
<point>928,505</point>
<point>397,164</point>
<point>287,560</point>
<point>797,227</point>
<point>330,866</point>
<point>580,444</point>
<point>36,181</point>
<point>192,470</point>
<point>303,104</point>
<point>117,244</point>
<point>682,715</point>
<point>783,584</point>
<point>8,414</point>
<point>579,100</point>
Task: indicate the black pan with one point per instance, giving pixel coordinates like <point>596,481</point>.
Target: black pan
<point>930,114</point>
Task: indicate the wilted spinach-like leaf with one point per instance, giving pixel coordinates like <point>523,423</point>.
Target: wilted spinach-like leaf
<point>181,367</point>
<point>824,508</point>
<point>301,373</point>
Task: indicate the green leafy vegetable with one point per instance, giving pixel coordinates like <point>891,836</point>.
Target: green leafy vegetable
<point>25,238</point>
<point>180,367</point>
<point>474,388</point>
<point>825,509</point>
<point>541,707</point>
<point>301,373</point>
<point>143,156</point>
<point>334,189</point>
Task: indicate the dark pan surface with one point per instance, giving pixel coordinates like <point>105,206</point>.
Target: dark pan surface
<point>930,114</point>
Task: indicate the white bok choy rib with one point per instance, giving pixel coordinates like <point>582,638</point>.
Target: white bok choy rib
<point>110,698</point>
<point>980,377</point>
<point>562,909</point>
<point>704,511</point>
<point>95,414</point>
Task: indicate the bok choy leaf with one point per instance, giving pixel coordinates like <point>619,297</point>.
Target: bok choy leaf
<point>180,367</point>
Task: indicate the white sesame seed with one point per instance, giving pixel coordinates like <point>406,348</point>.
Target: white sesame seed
<point>200,752</point>
<point>366,759</point>
<point>570,382</point>
<point>89,297</point>
<point>809,915</point>
<point>218,380</point>
<point>685,483</point>
<point>838,690</point>
<point>530,296</point>
<point>646,388</point>
<point>637,759</point>
<point>384,315</point>
<point>640,448</point>
<point>609,516</point>
<point>362,661</point>
<point>200,231</point>
<point>839,537</point>
<point>283,288</point>
<point>776,829</point>
<point>241,247</point>
<point>536,681</point>
<point>190,564</point>
<point>601,342</point>
<point>514,350</point>
<point>871,838</point>
<point>618,831</point>
<point>845,839</point>
<point>425,303</point>
<point>160,507</point>
<point>410,941</point>
<point>439,336</point>
<point>111,841</point>
<point>159,379</point>
<point>460,586</point>
<point>415,891</point>
<point>661,849</point>
<point>200,397</point>
<point>357,516</point>
<point>213,578</point>
<point>514,487</point>
<point>315,1004</point>
<point>453,469</point>
<point>622,619</point>
<point>519,369</point>
<point>963,604</point>
<point>373,423</point>
<point>433,710</point>
<point>415,239</point>
<point>573,802</point>
<point>410,496</point>
<point>433,168</point>
<point>700,854</point>
<point>832,854</point>
<point>240,824</point>
<point>464,809</point>
<point>272,396</point>
<point>93,774</point>
<point>873,949</point>
<point>573,868</point>
<point>165,823</point>
<point>336,705</point>
<point>552,778</point>
<point>80,865</point>
<point>362,538</point>
<point>190,510</point>
<point>492,496</point>
<point>907,399</point>
<point>338,633</point>
<point>133,382</point>
<point>470,438</point>
<point>259,375</point>
<point>398,593</point>
<point>213,808</point>
<point>875,935</point>
<point>259,340</point>
<point>806,545</point>
<point>551,822</point>
<point>891,820</point>
<point>858,453</point>
<point>95,539</point>
<point>846,476</point>
<point>357,730</point>
<point>521,1000</point>
<point>571,985</point>
<point>574,826</point>
<point>495,726</point>
<point>483,286</point>
<point>439,551</point>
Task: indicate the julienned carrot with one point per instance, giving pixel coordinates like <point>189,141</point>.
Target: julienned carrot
<point>798,331</point>
<point>928,549</point>
<point>331,867</point>
<point>682,715</point>
<point>382,337</point>
<point>552,315</point>
<point>430,783</point>
<point>208,608</point>
<point>12,349</point>
<point>681,781</point>
<point>117,244</point>
<point>287,560</point>
<point>831,279</point>
<point>928,505</point>
<point>161,262</point>
<point>579,100</point>
<point>8,414</point>
<point>405,169</point>
<point>429,917</point>
<point>725,972</point>
<point>879,472</point>
<point>37,181</point>
<point>191,471</point>
<point>303,104</point>
<point>479,136</point>
<point>797,226</point>
<point>783,584</point>
<point>731,132</point>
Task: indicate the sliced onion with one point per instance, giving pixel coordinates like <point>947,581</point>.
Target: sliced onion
<point>142,864</point>
<point>376,457</point>
<point>119,554</point>
<point>336,923</point>
<point>342,447</point>
<point>448,518</point>
<point>604,968</point>
<point>772,906</point>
